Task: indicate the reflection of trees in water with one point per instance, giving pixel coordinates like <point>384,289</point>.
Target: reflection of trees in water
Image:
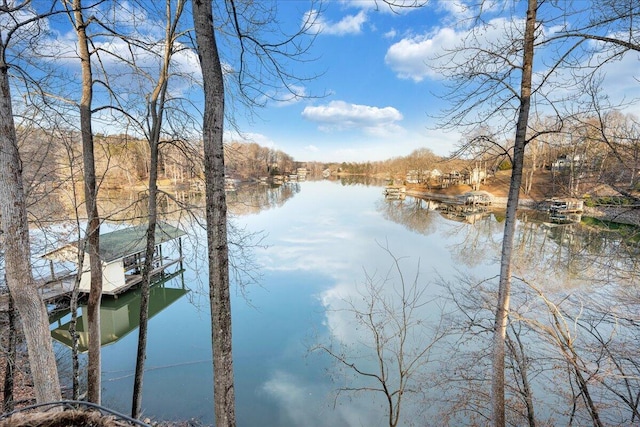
<point>481,241</point>
<point>558,256</point>
<point>415,214</point>
<point>575,253</point>
<point>247,199</point>
<point>573,331</point>
<point>253,198</point>
<point>571,355</point>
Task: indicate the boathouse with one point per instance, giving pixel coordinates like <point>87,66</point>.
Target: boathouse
<point>122,255</point>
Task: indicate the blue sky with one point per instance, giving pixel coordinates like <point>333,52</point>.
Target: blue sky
<point>380,88</point>
<point>374,94</point>
<point>378,98</point>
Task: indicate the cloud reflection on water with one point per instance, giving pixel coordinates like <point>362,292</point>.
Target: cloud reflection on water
<point>337,233</point>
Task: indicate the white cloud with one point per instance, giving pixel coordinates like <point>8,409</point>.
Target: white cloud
<point>421,56</point>
<point>312,148</point>
<point>340,115</point>
<point>350,24</point>
<point>409,57</point>
<point>308,403</point>
<point>391,34</point>
<point>457,9</point>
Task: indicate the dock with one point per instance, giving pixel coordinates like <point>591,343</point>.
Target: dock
<point>395,192</point>
<point>565,205</point>
<point>122,257</point>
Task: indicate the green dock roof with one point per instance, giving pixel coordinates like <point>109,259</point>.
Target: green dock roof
<point>127,241</point>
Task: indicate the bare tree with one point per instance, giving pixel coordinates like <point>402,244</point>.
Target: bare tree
<point>80,24</point>
<point>502,75</point>
<point>504,286</point>
<point>256,83</point>
<point>397,337</point>
<point>156,109</point>
<point>13,214</point>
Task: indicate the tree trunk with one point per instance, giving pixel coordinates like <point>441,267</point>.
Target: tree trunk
<point>156,112</point>
<point>504,287</point>
<point>93,220</point>
<point>73,331</point>
<point>216,207</point>
<point>10,355</point>
<point>146,284</point>
<point>17,253</point>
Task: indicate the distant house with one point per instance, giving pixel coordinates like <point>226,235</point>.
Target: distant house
<point>122,255</point>
<point>451,178</point>
<point>566,162</point>
<point>435,174</point>
<point>302,174</point>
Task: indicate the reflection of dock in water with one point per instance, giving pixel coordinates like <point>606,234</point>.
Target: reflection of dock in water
<point>565,218</point>
<point>395,192</point>
<point>565,210</point>
<point>464,212</point>
<point>118,316</point>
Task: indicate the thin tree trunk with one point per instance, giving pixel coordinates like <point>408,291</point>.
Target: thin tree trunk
<point>216,207</point>
<point>93,220</point>
<point>73,303</point>
<point>73,332</point>
<point>145,285</point>
<point>17,253</point>
<point>156,110</point>
<point>7,404</point>
<point>504,287</point>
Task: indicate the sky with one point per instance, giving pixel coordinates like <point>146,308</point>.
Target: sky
<point>370,88</point>
<point>373,93</point>
<point>380,89</point>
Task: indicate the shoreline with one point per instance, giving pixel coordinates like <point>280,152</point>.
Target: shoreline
<point>617,214</point>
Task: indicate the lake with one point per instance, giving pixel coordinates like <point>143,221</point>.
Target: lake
<point>319,249</point>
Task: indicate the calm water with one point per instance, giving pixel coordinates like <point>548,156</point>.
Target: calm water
<point>320,241</point>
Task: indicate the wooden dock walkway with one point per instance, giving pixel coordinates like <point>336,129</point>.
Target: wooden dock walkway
<point>61,287</point>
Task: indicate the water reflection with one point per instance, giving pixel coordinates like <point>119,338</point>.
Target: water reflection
<point>318,246</point>
<point>119,316</point>
<point>361,180</point>
<point>569,250</point>
<point>248,198</point>
<point>414,213</point>
<point>253,198</point>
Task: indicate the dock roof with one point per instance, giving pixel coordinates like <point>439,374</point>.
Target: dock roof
<point>128,241</point>
<point>124,242</point>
